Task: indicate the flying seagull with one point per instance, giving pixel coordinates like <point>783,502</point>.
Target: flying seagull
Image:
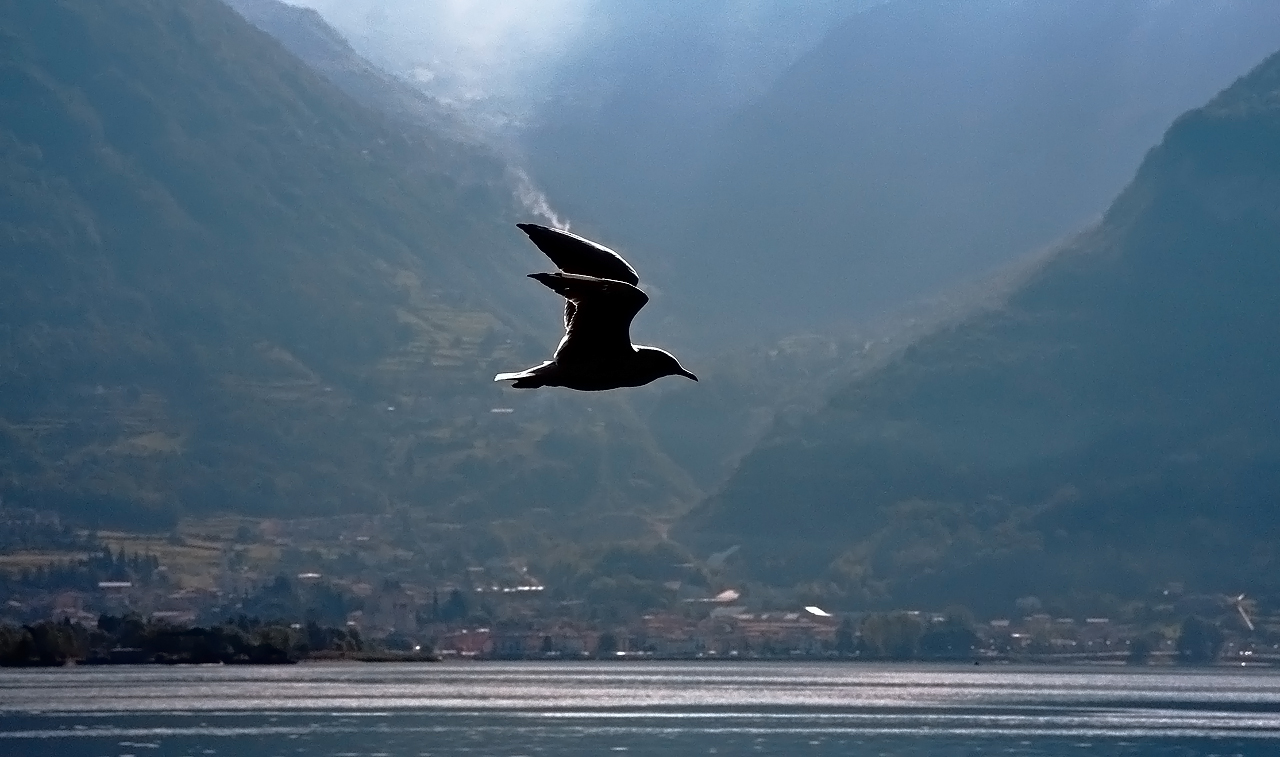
<point>601,298</point>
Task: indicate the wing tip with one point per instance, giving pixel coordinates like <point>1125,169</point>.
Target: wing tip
<point>575,254</point>
<point>521,380</point>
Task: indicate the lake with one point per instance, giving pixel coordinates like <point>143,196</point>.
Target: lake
<point>636,708</point>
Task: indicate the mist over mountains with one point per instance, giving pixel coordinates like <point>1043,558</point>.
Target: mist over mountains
<point>613,107</point>
<point>884,150</point>
<point>888,149</point>
<point>922,143</point>
<point>504,60</point>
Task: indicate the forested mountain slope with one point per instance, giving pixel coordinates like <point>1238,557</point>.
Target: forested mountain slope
<point>226,285</point>
<point>1114,425</point>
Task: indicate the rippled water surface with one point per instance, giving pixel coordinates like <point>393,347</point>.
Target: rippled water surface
<point>647,708</point>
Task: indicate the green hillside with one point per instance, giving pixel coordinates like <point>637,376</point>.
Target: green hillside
<point>226,285</point>
<point>1113,425</point>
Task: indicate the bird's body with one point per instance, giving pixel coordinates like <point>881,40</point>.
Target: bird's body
<point>644,365</point>
<point>601,298</point>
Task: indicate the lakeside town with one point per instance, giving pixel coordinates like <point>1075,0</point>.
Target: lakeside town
<point>368,598</point>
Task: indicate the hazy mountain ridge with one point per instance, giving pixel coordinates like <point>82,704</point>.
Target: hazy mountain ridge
<point>305,33</point>
<point>1111,427</point>
<point>925,142</point>
<point>229,286</point>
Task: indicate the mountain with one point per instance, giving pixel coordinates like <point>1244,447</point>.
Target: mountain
<point>827,164</point>
<point>303,32</point>
<point>612,107</point>
<point>229,286</point>
<point>925,142</point>
<point>1112,425</point>
<point>703,430</point>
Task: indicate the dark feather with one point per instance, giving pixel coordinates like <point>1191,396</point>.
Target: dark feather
<point>600,326</point>
<point>573,254</point>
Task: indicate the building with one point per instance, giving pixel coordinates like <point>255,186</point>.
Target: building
<point>465,642</point>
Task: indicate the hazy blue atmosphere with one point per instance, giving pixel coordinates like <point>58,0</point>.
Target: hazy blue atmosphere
<point>980,297</point>
<point>886,149</point>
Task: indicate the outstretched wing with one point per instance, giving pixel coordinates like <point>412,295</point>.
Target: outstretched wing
<point>600,327</point>
<point>574,254</point>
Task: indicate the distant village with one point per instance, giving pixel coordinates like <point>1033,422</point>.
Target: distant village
<point>498,610</point>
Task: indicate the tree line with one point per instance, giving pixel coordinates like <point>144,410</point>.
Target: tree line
<point>132,639</point>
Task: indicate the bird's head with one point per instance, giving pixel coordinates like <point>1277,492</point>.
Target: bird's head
<point>657,363</point>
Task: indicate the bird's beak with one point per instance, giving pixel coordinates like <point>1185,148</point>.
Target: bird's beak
<point>688,374</point>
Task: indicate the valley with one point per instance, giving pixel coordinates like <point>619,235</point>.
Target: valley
<point>255,288</point>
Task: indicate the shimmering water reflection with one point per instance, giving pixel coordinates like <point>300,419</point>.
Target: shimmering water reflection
<point>639,708</point>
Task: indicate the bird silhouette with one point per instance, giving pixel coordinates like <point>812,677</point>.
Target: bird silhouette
<point>601,299</point>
